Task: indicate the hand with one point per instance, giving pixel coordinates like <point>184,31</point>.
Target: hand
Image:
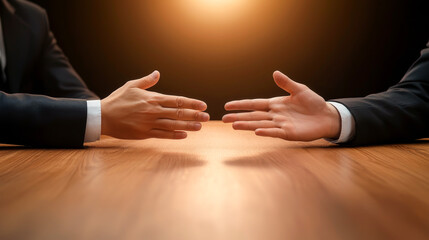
<point>132,112</point>
<point>302,116</point>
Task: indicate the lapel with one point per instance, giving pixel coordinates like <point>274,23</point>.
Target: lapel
<point>16,34</point>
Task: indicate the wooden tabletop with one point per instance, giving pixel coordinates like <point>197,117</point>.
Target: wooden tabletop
<point>217,184</point>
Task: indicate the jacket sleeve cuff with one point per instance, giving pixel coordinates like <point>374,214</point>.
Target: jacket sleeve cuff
<point>93,121</point>
<point>347,124</point>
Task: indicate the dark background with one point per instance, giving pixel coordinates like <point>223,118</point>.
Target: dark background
<point>338,48</point>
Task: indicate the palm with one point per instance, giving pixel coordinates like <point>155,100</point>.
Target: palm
<point>303,116</point>
<point>299,116</point>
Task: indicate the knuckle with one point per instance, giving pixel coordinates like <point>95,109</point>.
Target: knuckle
<point>154,100</point>
<point>302,86</point>
<point>196,115</point>
<point>130,82</point>
<point>179,113</point>
<point>151,110</point>
<point>141,104</point>
<point>179,102</point>
<point>158,97</point>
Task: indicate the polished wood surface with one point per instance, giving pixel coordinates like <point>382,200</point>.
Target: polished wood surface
<point>217,184</point>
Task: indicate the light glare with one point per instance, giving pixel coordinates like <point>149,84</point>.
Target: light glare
<point>218,9</point>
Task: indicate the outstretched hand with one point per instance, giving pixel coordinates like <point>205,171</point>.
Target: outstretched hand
<point>301,116</point>
<point>132,112</point>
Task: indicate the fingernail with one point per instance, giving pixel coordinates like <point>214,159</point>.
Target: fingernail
<point>226,118</point>
<point>205,117</point>
<point>155,74</point>
<point>197,125</point>
<point>202,106</point>
<point>181,135</point>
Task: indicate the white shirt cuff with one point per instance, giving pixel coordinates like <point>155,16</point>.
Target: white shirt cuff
<point>93,121</point>
<point>347,124</point>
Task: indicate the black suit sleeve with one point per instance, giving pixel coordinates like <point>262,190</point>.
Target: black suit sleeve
<point>38,120</point>
<point>400,114</point>
<point>57,74</point>
<point>41,121</point>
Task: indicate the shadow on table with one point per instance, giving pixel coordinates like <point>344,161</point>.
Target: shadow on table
<point>269,159</point>
<point>291,156</point>
<point>149,159</point>
<point>172,161</point>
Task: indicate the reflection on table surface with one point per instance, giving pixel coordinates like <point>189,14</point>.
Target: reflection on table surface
<point>217,184</point>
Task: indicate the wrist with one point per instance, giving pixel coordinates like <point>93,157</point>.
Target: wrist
<point>334,122</point>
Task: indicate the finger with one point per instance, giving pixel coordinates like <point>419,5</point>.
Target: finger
<point>253,125</point>
<point>271,132</point>
<point>248,104</point>
<point>185,114</point>
<point>173,125</point>
<point>287,84</point>
<point>182,102</point>
<point>251,116</point>
<point>158,133</point>
<point>146,82</point>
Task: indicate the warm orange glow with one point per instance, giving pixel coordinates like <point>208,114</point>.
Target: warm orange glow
<point>218,3</point>
<point>214,30</point>
<point>218,11</point>
<point>218,8</point>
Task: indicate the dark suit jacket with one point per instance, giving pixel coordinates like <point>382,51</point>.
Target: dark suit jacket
<point>399,114</point>
<point>44,104</point>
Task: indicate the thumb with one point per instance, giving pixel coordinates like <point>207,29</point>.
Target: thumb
<point>287,84</point>
<point>148,81</point>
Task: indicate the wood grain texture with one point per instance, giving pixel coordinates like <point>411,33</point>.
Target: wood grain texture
<point>217,184</point>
